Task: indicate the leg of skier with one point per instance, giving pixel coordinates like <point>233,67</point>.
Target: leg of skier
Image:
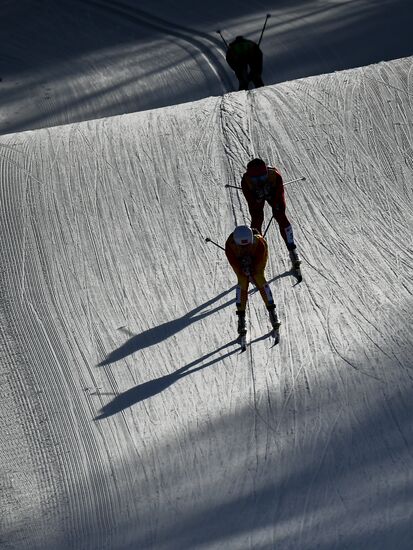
<point>257,217</point>
<point>242,74</point>
<point>241,303</point>
<point>255,73</point>
<point>287,235</point>
<point>241,298</point>
<point>266,294</point>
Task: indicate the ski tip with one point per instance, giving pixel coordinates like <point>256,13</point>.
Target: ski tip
<point>296,272</point>
<point>242,339</point>
<point>276,337</point>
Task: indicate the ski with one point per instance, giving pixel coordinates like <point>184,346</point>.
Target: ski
<point>242,339</point>
<point>297,274</point>
<point>275,334</point>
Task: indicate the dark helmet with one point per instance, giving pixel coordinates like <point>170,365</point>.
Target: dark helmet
<point>256,167</point>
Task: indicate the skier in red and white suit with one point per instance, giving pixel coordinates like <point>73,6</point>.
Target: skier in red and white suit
<point>247,252</point>
<point>260,184</point>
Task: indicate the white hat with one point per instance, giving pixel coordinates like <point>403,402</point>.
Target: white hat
<point>243,235</point>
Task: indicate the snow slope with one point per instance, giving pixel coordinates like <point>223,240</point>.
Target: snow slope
<point>129,418</point>
<point>77,60</point>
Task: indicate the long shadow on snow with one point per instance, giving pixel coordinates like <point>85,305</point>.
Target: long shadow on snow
<point>349,471</point>
<point>326,480</point>
<point>149,389</point>
<point>157,334</point>
<point>314,492</point>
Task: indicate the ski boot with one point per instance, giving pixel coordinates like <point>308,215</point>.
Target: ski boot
<point>295,258</point>
<point>242,326</point>
<point>296,262</point>
<point>275,322</point>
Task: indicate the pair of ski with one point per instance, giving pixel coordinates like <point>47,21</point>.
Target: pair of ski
<point>275,332</point>
<point>275,335</point>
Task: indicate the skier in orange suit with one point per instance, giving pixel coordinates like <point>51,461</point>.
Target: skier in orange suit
<point>247,252</point>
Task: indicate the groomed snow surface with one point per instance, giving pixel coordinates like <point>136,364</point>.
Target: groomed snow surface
<point>77,60</point>
<point>129,418</point>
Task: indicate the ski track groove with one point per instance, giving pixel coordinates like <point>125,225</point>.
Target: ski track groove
<point>316,472</point>
<point>30,412</point>
<point>41,452</point>
<point>54,345</point>
<point>37,449</point>
<point>262,122</point>
<point>202,43</point>
<point>45,326</point>
<point>236,126</point>
<point>196,196</point>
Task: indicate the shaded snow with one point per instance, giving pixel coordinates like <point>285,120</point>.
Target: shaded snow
<point>77,60</point>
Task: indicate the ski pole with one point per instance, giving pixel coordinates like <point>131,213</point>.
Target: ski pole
<point>208,240</point>
<point>286,183</point>
<point>293,181</point>
<point>268,226</point>
<point>223,39</point>
<point>263,29</point>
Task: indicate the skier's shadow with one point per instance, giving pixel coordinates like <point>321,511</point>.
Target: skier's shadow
<point>153,336</point>
<point>153,387</point>
<point>157,334</point>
